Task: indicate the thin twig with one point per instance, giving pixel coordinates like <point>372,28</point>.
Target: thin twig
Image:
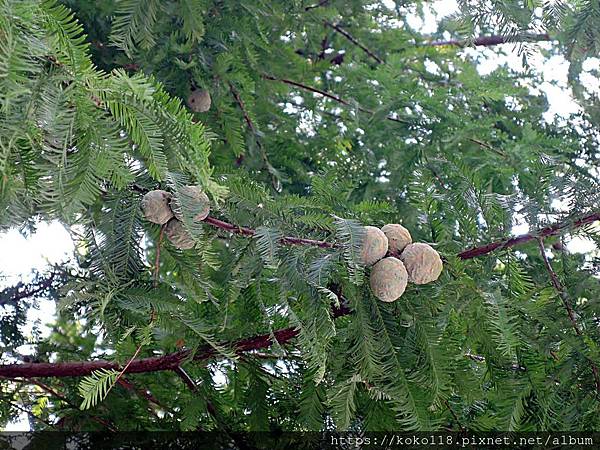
<point>565,300</point>
<point>308,88</point>
<point>30,414</point>
<point>559,288</point>
<point>127,384</point>
<point>355,41</point>
<point>317,5</point>
<point>40,286</point>
<point>330,96</point>
<point>488,146</point>
<point>186,378</point>
<point>456,419</point>
<point>240,103</point>
<point>253,129</point>
<point>157,259</point>
<point>250,232</point>
<point>137,352</point>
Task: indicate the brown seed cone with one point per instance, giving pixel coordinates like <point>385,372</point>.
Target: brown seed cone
<point>199,100</point>
<point>155,205</point>
<point>196,200</point>
<point>375,246</point>
<point>178,235</point>
<point>422,263</point>
<point>398,237</point>
<point>388,279</point>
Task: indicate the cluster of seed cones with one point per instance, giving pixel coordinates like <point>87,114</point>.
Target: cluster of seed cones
<point>415,262</point>
<point>158,208</point>
<point>418,263</point>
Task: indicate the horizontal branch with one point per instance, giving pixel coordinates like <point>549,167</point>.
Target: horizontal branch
<point>551,230</point>
<point>289,240</point>
<point>143,365</point>
<point>467,254</point>
<point>482,41</point>
<point>174,360</point>
<point>488,41</point>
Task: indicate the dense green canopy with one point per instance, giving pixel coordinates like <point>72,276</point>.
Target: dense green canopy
<point>324,117</point>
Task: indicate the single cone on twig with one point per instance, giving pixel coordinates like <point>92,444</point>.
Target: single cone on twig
<point>155,205</point>
<point>374,247</point>
<point>388,279</point>
<point>199,100</point>
<point>422,263</point>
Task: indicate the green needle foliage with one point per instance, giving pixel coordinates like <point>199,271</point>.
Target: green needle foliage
<point>95,388</point>
<point>324,117</point>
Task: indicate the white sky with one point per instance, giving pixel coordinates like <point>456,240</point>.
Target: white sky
<point>52,244</point>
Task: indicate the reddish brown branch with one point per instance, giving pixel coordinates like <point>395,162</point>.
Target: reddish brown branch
<point>229,227</point>
<point>467,254</point>
<point>488,41</point>
<point>354,41</point>
<point>173,360</point>
<point>544,232</point>
<point>143,365</point>
<point>250,232</point>
<point>565,300</point>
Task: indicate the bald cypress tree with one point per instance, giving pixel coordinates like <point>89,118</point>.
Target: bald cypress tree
<point>300,124</point>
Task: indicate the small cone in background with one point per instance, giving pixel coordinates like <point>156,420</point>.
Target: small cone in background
<point>388,279</point>
<point>178,235</point>
<point>155,205</point>
<point>374,247</point>
<point>199,100</point>
<point>197,200</point>
<point>398,237</point>
<point>422,263</point>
